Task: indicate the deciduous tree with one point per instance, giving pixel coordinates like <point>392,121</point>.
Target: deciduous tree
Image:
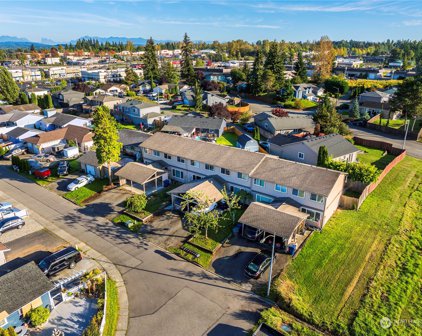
<point>324,58</point>
<point>9,90</point>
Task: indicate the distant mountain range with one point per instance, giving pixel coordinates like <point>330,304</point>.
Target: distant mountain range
<point>119,39</point>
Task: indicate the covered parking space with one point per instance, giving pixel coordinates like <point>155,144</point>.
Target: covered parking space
<point>284,222</point>
<point>142,177</point>
<point>206,191</point>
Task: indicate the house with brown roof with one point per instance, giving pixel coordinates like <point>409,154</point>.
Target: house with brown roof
<point>48,142</point>
<point>104,100</point>
<point>27,108</point>
<point>268,179</point>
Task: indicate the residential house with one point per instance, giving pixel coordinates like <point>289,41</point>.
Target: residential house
<point>19,134</point>
<point>111,89</point>
<point>39,92</point>
<point>104,100</point>
<point>21,119</point>
<point>22,289</point>
<point>150,119</point>
<point>28,108</point>
<point>90,165</point>
<point>212,98</point>
<point>188,97</point>
<point>375,102</point>
<point>268,179</point>
<point>61,120</point>
<point>307,91</point>
<point>52,141</point>
<point>271,125</point>
<point>70,98</point>
<point>131,140</point>
<point>306,149</point>
<point>161,90</point>
<point>246,142</point>
<point>195,126</point>
<point>134,111</point>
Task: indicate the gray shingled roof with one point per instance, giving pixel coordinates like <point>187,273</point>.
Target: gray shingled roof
<point>89,158</point>
<point>244,139</point>
<point>271,220</point>
<point>196,122</point>
<point>335,143</point>
<point>61,119</point>
<point>235,159</point>
<point>286,123</point>
<point>18,131</point>
<point>296,175</point>
<point>137,172</point>
<point>21,286</point>
<point>131,137</point>
<point>139,104</point>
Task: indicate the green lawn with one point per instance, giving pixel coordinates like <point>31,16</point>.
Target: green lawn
<point>327,280</point>
<point>227,139</point>
<point>204,259</point>
<point>112,309</point>
<point>41,182</point>
<point>303,102</point>
<point>78,196</point>
<point>374,157</point>
<point>126,126</point>
<point>399,123</point>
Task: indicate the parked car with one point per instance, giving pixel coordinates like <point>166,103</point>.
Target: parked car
<point>66,258</point>
<point>44,157</point>
<point>258,265</point>
<point>279,243</point>
<point>5,206</point>
<point>11,223</point>
<point>249,127</point>
<point>265,145</point>
<point>251,233</point>
<point>42,173</point>
<point>62,168</point>
<point>80,182</point>
<point>14,152</point>
<point>13,212</point>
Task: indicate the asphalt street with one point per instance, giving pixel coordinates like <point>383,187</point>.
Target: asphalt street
<point>167,296</point>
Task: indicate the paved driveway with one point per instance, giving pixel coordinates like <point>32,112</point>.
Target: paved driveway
<point>153,277</point>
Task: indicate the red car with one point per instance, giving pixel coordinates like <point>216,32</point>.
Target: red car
<point>42,173</point>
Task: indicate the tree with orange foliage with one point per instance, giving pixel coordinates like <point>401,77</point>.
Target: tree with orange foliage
<point>323,59</point>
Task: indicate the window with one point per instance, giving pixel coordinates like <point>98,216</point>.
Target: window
<point>179,159</point>
<point>298,193</point>
<point>196,177</point>
<point>166,156</point>
<point>280,188</point>
<point>177,173</point>
<point>301,155</point>
<point>259,182</point>
<point>225,171</point>
<point>156,153</point>
<point>209,167</point>
<point>317,198</point>
<point>313,215</point>
<point>263,199</point>
<point>147,151</point>
<point>194,163</point>
<point>242,176</point>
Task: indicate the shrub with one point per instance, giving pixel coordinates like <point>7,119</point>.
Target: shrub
<point>136,203</point>
<point>279,112</point>
<point>357,171</point>
<point>298,104</point>
<point>93,329</point>
<point>38,315</point>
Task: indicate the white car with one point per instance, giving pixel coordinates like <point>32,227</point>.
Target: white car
<point>13,212</point>
<point>80,182</point>
<point>5,206</point>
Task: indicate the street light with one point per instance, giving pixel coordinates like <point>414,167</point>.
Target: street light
<point>271,267</point>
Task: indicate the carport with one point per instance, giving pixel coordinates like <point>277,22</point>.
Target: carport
<point>285,222</point>
<point>206,190</point>
<point>142,177</point>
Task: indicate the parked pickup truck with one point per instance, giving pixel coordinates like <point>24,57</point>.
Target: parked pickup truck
<point>13,212</point>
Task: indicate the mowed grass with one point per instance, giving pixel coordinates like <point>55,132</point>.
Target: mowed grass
<point>374,157</point>
<point>112,309</point>
<point>327,280</point>
<point>399,123</point>
<point>227,139</point>
<point>79,196</point>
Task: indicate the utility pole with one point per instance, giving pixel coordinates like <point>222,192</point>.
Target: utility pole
<point>271,267</point>
<point>406,127</point>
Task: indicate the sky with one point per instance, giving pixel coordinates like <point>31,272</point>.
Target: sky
<point>208,20</point>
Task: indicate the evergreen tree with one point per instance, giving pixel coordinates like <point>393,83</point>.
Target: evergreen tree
<point>328,118</point>
<point>9,90</point>
<point>300,69</point>
<point>23,98</point>
<point>151,69</point>
<point>257,73</point>
<point>198,96</point>
<point>354,112</point>
<point>169,73</point>
<point>34,99</point>
<point>322,156</point>
<point>131,76</point>
<point>275,64</point>
<point>187,72</point>
<point>287,92</point>
<point>257,134</point>
<point>48,102</point>
<point>106,138</point>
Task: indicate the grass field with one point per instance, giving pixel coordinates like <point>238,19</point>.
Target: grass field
<point>112,309</point>
<point>327,280</point>
<point>80,195</point>
<point>304,103</point>
<point>374,157</point>
<point>227,139</point>
<point>399,123</point>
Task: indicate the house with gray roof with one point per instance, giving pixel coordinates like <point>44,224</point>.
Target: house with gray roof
<point>211,98</point>
<point>21,289</point>
<point>61,120</point>
<point>307,91</point>
<point>70,98</point>
<point>18,134</point>
<point>20,119</point>
<point>248,143</point>
<point>271,125</point>
<point>135,112</point>
<point>131,140</point>
<point>268,179</point>
<point>189,125</point>
<point>306,149</point>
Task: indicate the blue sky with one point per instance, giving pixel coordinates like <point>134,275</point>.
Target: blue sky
<point>62,20</point>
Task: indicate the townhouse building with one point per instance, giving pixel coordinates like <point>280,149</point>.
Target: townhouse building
<point>315,190</point>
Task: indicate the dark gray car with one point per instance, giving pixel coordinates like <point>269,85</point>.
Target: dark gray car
<point>10,224</point>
